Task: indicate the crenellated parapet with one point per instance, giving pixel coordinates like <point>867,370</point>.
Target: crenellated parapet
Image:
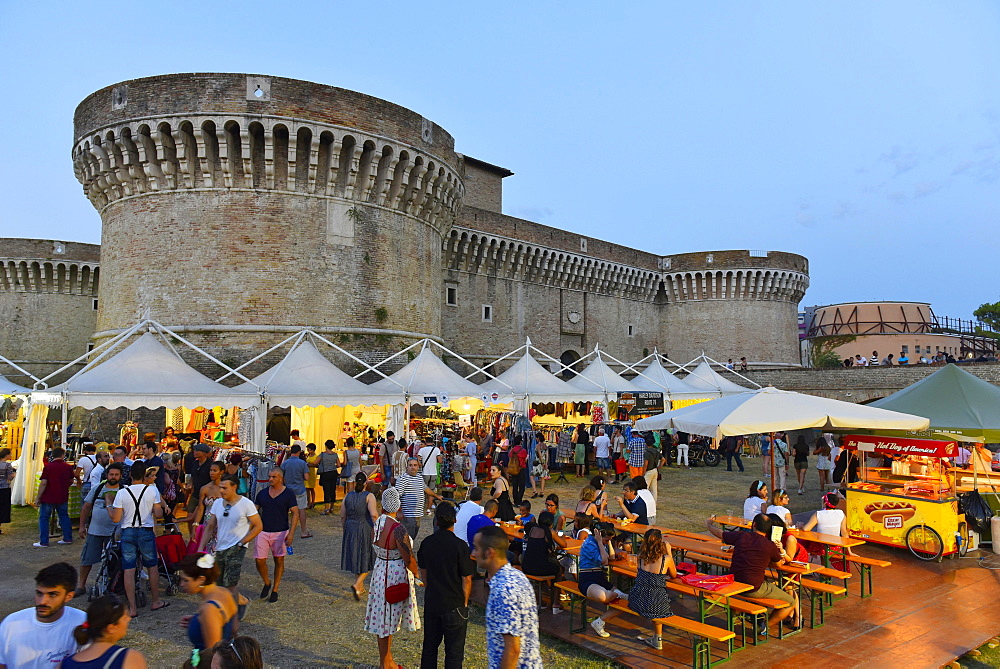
<point>37,275</point>
<point>264,153</point>
<point>735,275</point>
<point>473,252</point>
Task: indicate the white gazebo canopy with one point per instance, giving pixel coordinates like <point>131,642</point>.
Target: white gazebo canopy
<point>427,376</point>
<point>528,379</point>
<point>656,378</point>
<point>306,378</point>
<point>600,378</point>
<point>772,410</point>
<point>146,374</point>
<point>9,388</point>
<point>703,378</point>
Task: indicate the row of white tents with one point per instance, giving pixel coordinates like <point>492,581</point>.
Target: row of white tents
<point>141,367</point>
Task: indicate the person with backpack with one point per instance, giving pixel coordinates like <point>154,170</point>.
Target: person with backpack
<point>136,508</point>
<point>517,470</point>
<point>96,526</point>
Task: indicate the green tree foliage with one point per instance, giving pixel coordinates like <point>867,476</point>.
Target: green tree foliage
<point>989,314</point>
<point>823,354</point>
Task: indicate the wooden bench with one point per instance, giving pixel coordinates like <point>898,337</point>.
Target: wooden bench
<point>768,604</point>
<point>740,607</point>
<point>701,644</point>
<point>537,582</point>
<point>864,565</point>
<point>818,592</point>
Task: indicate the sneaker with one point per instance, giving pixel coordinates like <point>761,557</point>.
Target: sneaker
<point>64,543</point>
<point>39,545</point>
<point>273,598</point>
<point>762,628</point>
<point>652,641</point>
<point>598,626</point>
<point>265,591</point>
<point>620,594</point>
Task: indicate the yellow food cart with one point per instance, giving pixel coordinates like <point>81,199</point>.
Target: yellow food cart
<point>911,503</point>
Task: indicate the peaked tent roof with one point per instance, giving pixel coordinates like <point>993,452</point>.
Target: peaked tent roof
<point>427,375</point>
<point>953,399</point>
<point>601,378</point>
<point>703,377</point>
<point>769,410</point>
<point>528,378</point>
<point>9,388</point>
<point>656,378</point>
<point>306,378</point>
<point>148,374</point>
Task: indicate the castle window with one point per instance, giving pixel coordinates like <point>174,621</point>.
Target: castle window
<point>90,347</point>
<point>451,296</point>
<point>95,304</point>
<point>487,313</point>
<point>630,330</point>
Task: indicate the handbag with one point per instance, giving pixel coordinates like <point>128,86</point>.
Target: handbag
<point>394,594</point>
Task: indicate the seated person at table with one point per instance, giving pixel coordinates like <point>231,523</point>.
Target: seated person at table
<point>596,553</point>
<point>586,505</point>
<point>486,518</point>
<point>633,507</point>
<point>831,519</point>
<point>524,514</point>
<point>648,596</point>
<point>552,506</point>
<point>646,495</point>
<point>756,501</point>
<point>779,506</point>
<point>540,543</point>
<point>793,551</point>
<point>753,554</point>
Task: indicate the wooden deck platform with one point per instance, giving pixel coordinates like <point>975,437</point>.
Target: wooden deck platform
<point>921,615</point>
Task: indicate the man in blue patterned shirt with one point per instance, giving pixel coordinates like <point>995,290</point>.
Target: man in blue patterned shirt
<point>511,611</point>
<point>636,455</point>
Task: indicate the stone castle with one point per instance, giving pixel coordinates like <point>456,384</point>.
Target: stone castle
<point>240,208</point>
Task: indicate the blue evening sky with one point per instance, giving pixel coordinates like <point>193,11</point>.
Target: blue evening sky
<point>863,135</point>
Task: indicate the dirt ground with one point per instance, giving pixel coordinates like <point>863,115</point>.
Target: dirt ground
<point>316,622</point>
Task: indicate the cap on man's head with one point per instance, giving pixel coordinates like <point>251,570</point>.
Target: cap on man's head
<point>201,448</point>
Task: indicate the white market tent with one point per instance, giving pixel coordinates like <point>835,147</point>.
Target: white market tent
<point>703,378</point>
<point>428,379</point>
<point>9,388</point>
<point>147,374</point>
<point>530,381</point>
<point>772,410</point>
<point>655,378</point>
<point>598,376</point>
<point>306,378</point>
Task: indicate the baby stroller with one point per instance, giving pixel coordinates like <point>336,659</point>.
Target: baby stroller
<point>110,577</point>
<point>170,550</point>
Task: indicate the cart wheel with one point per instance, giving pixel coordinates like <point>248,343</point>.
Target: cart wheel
<point>712,458</point>
<point>140,598</point>
<point>673,455</point>
<point>963,535</point>
<point>924,542</point>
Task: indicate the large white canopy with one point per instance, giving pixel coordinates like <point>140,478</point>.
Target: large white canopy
<point>703,377</point>
<point>657,379</point>
<point>147,374</point>
<point>772,410</point>
<point>527,378</point>
<point>9,388</point>
<point>599,378</point>
<point>428,376</point>
<point>306,378</point>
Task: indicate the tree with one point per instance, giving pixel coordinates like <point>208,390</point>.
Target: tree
<point>822,351</point>
<point>989,314</point>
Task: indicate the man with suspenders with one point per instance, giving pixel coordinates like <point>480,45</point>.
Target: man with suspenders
<point>136,507</point>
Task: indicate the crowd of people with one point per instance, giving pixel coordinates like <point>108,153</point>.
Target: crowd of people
<point>127,493</point>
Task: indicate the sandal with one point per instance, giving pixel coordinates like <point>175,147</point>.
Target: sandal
<point>357,595</point>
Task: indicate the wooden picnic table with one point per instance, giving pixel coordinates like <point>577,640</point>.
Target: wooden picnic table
<point>827,540</point>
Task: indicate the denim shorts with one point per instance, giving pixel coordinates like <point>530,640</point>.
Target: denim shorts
<point>93,548</point>
<point>604,463</point>
<point>138,541</point>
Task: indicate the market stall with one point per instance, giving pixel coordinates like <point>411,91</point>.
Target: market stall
<point>706,379</point>
<point>655,377</point>
<point>910,501</point>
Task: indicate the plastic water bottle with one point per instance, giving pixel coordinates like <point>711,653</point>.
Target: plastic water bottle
<point>289,550</point>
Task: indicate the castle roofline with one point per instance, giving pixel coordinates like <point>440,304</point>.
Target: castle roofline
<point>490,167</point>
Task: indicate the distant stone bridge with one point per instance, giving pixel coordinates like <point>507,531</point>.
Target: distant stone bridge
<point>859,384</point>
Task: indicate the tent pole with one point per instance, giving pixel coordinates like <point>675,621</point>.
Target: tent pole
<point>63,436</point>
<point>773,469</point>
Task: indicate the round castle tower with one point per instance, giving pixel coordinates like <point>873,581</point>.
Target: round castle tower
<point>733,304</point>
<point>241,207</point>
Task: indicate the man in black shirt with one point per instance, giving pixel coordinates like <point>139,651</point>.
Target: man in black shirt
<point>197,471</point>
<point>446,569</point>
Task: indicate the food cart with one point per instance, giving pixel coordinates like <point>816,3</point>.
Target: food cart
<point>912,502</point>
